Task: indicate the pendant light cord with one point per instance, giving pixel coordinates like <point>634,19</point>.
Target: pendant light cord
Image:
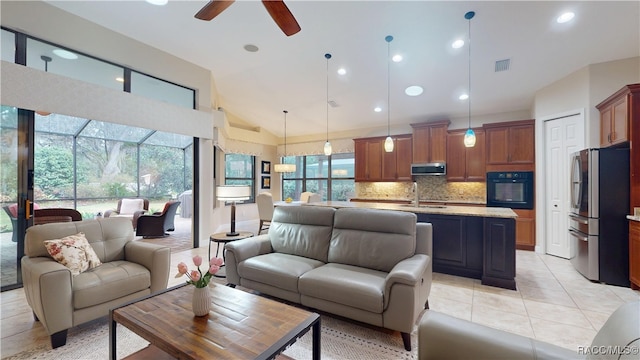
<point>285,132</point>
<point>389,39</point>
<point>469,102</point>
<point>327,56</point>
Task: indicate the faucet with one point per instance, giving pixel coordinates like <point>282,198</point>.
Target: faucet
<point>416,201</point>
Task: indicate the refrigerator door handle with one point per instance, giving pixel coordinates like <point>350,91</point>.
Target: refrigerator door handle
<point>576,171</point>
<point>578,235</point>
<point>579,219</point>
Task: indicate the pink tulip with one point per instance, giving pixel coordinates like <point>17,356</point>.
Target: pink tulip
<point>195,275</point>
<point>182,268</point>
<point>216,261</point>
<point>197,260</point>
<point>214,269</point>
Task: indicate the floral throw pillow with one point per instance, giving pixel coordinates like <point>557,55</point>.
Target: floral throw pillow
<point>74,252</point>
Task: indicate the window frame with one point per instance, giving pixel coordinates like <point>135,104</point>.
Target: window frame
<point>301,161</point>
<point>252,177</point>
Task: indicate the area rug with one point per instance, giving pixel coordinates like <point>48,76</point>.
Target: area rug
<point>340,340</point>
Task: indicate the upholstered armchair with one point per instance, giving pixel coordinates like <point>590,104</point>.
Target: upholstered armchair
<point>304,197</point>
<point>129,208</point>
<point>14,220</point>
<point>157,224</point>
<point>62,296</point>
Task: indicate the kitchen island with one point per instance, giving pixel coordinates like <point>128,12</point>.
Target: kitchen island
<point>469,241</point>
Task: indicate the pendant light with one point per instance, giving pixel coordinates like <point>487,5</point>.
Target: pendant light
<point>327,145</point>
<point>388,142</point>
<point>46,60</point>
<point>469,136</point>
<point>282,167</point>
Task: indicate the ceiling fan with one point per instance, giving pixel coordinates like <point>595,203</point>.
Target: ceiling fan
<point>277,9</point>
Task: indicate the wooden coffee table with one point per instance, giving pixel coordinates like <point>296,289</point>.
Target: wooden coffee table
<point>240,325</point>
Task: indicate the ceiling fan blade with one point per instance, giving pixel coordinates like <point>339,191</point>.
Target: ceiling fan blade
<point>213,9</point>
<point>282,16</point>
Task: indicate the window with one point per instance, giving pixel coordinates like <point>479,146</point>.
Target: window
<point>330,176</point>
<point>240,170</point>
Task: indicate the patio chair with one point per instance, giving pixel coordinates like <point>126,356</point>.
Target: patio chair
<point>51,215</point>
<point>129,208</point>
<point>265,210</point>
<point>157,224</point>
<point>14,221</point>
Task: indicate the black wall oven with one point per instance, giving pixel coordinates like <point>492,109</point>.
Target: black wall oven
<point>512,189</point>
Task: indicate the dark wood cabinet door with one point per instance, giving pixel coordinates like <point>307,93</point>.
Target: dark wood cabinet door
<point>374,160</point>
<point>499,253</point>
<point>475,159</point>
<point>404,158</point>
<point>497,142</point>
<point>521,144</point>
<point>620,123</point>
<point>360,159</point>
<point>457,156</point>
<point>389,163</point>
<point>421,145</point>
<point>439,143</point>
<point>525,229</point>
<point>634,254</point>
<point>605,126</point>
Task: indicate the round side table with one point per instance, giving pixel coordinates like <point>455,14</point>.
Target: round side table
<point>222,238</point>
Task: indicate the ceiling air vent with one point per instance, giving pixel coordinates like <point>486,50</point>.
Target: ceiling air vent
<point>503,65</point>
<point>333,104</point>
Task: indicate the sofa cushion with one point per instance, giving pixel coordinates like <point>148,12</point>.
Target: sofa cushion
<point>74,252</point>
<point>347,285</point>
<point>277,269</point>
<point>110,281</point>
<point>302,230</point>
<point>375,239</point>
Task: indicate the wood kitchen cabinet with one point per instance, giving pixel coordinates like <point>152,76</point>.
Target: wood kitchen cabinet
<point>430,141</point>
<point>465,163</point>
<point>525,229</point>
<point>372,163</point>
<point>616,113</point>
<point>634,254</point>
<point>510,146</point>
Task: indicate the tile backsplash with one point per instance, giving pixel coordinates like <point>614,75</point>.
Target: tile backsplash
<point>434,188</point>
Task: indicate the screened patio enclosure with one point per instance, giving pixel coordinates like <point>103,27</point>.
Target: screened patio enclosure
<point>89,165</point>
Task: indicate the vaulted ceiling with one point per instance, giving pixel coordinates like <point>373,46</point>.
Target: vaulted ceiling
<point>291,72</point>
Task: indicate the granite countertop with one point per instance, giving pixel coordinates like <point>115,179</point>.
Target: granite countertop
<point>633,218</point>
<point>424,209</point>
<point>473,202</point>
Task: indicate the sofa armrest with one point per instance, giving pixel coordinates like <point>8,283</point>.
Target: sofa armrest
<point>156,258</point>
<point>47,286</point>
<point>442,336</point>
<point>408,271</point>
<point>241,250</point>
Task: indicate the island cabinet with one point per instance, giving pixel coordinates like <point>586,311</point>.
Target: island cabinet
<point>476,247</point>
<point>430,141</point>
<point>465,163</point>
<point>616,114</point>
<point>372,163</point>
<point>510,146</point>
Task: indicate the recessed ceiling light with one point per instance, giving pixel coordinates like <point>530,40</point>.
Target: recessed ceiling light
<point>251,48</point>
<point>566,17</point>
<point>65,54</point>
<point>457,44</point>
<point>414,90</point>
<point>342,71</point>
<point>377,109</point>
<point>397,58</point>
<point>119,79</point>
<point>463,97</point>
<point>157,2</point>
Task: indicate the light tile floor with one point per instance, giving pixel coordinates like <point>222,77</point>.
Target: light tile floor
<point>553,303</point>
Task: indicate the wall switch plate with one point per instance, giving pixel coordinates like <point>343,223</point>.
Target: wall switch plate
<point>636,211</point>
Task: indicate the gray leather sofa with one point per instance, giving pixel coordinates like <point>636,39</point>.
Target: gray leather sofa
<point>444,337</point>
<point>373,266</point>
<point>129,270</point>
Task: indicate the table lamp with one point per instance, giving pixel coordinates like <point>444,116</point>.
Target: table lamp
<point>233,193</point>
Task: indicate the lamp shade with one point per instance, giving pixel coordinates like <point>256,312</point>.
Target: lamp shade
<point>233,192</point>
<point>284,168</point>
<point>469,138</point>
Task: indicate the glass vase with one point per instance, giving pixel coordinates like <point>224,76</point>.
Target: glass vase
<point>201,301</point>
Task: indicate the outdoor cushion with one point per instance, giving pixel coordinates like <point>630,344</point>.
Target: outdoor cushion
<point>130,206</point>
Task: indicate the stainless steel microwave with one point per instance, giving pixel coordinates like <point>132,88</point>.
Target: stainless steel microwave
<point>429,169</point>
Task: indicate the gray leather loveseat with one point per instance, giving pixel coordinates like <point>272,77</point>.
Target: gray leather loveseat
<point>60,300</point>
<point>373,266</point>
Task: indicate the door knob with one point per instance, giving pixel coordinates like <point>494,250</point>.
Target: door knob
<point>556,205</point>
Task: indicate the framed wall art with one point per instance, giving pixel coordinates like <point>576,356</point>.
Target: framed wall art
<point>266,167</point>
<point>266,182</point>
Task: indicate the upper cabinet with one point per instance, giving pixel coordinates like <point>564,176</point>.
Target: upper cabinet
<point>510,145</point>
<point>615,115</point>
<point>372,163</point>
<point>465,163</point>
<point>430,141</point>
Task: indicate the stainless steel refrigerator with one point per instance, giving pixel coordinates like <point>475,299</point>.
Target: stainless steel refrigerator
<point>597,223</point>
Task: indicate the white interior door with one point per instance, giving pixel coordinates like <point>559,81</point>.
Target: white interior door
<point>563,136</point>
